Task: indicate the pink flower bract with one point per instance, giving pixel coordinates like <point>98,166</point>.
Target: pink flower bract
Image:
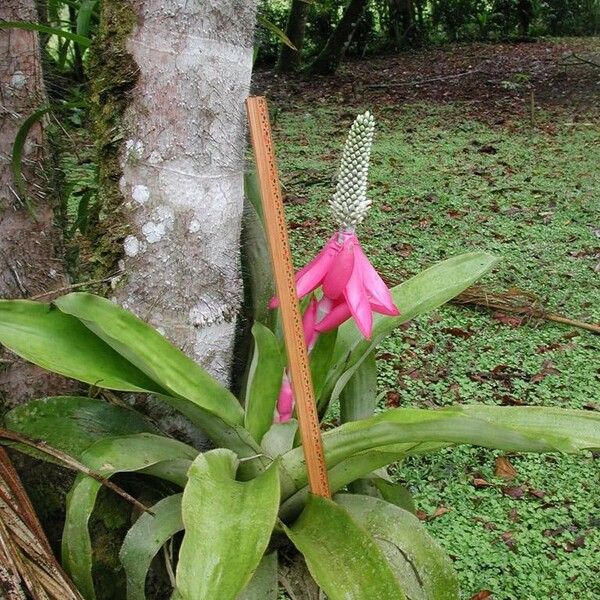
<point>349,282</point>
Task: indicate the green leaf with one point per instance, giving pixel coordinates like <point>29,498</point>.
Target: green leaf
<point>423,569</point>
<point>234,437</point>
<point>72,423</point>
<point>280,438</point>
<point>17,155</point>
<point>263,585</point>
<point>151,353</point>
<point>107,457</point>
<point>320,359</point>
<point>63,33</point>
<point>264,382</point>
<point>84,15</point>
<point>256,262</point>
<point>279,34</point>
<point>345,472</point>
<point>59,343</point>
<point>359,397</point>
<point>227,527</point>
<point>420,294</point>
<point>342,556</point>
<point>394,493</point>
<point>514,429</point>
<point>145,538</point>
<point>174,470</point>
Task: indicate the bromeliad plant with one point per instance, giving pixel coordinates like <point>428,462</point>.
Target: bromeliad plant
<point>238,503</point>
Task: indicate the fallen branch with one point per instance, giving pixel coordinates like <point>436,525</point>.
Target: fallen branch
<point>71,463</point>
<point>579,60</point>
<point>517,302</point>
<point>421,81</point>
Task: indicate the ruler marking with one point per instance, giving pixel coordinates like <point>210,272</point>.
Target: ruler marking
<point>285,283</point>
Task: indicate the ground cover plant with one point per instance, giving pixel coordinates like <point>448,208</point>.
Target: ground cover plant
<point>458,167</point>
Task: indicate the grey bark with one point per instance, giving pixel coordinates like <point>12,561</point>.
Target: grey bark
<point>30,248</point>
<point>182,172</point>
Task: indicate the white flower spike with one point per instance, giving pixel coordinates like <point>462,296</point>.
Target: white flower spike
<point>350,203</point>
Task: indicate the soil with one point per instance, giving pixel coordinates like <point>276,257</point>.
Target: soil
<point>495,81</point>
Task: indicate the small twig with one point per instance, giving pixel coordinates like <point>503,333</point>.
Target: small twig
<point>16,195</point>
<point>573,322</point>
<point>18,281</point>
<point>75,286</point>
<point>71,463</point>
<point>421,81</point>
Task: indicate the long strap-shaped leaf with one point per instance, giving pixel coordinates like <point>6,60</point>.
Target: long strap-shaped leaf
<point>145,538</point>
<point>152,354</point>
<point>227,527</point>
<point>60,343</point>
<point>264,381</point>
<point>519,429</point>
<point>341,555</point>
<point>73,423</point>
<point>108,456</point>
<point>421,566</point>
<point>264,582</point>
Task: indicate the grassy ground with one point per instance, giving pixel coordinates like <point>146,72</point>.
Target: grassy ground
<point>443,183</point>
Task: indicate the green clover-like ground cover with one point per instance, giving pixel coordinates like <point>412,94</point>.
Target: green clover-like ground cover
<point>443,183</point>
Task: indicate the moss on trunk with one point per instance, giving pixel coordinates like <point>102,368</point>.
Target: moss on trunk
<point>113,74</point>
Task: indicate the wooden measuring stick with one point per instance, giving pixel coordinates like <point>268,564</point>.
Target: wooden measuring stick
<point>285,284</point>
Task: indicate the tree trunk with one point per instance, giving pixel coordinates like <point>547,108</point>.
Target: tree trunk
<point>30,247</point>
<point>169,87</point>
<point>289,60</point>
<point>330,57</point>
<point>402,22</point>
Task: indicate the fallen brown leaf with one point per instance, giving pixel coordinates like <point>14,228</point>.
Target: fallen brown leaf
<point>458,332</point>
<point>392,399</point>
<point>575,544</point>
<point>504,468</point>
<point>509,540</point>
<point>478,482</point>
<point>508,319</point>
<point>439,511</point>
<point>515,492</point>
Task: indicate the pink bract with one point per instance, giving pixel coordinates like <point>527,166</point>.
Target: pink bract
<point>351,288</point>
<point>349,281</point>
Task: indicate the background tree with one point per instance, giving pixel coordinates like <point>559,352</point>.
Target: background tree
<point>289,59</point>
<point>330,57</point>
<point>402,23</point>
<point>30,242</point>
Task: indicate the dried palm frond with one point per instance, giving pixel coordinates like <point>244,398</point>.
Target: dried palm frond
<point>517,302</point>
<point>28,566</point>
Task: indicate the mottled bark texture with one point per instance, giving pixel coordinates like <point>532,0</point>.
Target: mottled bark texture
<point>180,156</point>
<point>30,248</point>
